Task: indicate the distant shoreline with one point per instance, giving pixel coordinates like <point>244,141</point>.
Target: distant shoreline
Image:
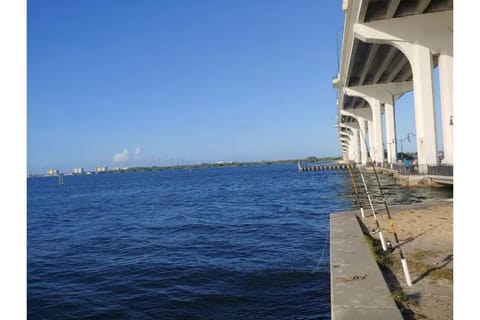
<point>200,166</point>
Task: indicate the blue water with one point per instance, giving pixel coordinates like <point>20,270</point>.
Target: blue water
<point>225,243</point>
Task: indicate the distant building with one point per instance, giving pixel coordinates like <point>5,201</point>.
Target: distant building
<point>78,171</point>
<point>52,172</point>
<point>101,169</point>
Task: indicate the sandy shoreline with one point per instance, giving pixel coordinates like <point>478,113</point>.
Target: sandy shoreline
<point>425,233</point>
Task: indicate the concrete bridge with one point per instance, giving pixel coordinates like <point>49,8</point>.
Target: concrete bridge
<point>390,48</point>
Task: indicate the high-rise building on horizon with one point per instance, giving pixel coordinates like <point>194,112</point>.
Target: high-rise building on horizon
<point>101,169</point>
<point>78,171</point>
<point>52,172</point>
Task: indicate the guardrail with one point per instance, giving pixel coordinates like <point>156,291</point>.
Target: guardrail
<point>414,169</point>
<point>440,170</point>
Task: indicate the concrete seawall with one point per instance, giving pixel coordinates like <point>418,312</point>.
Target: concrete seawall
<point>358,289</point>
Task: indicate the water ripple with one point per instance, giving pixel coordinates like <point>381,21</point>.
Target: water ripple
<point>232,243</point>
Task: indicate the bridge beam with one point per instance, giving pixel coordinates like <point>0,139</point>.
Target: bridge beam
<point>391,138</point>
<point>387,93</point>
<point>351,125</point>
<point>375,133</point>
<point>362,129</point>
<point>351,138</point>
<point>365,113</point>
<point>430,30</point>
<point>356,142</point>
<point>346,144</point>
<point>418,37</point>
<point>345,138</point>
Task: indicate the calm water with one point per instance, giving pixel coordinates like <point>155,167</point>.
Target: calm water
<point>227,243</point>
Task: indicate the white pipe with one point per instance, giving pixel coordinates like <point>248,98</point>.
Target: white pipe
<point>382,240</point>
<point>406,272</point>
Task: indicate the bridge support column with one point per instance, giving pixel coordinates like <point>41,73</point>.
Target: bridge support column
<point>417,36</point>
<point>348,137</point>
<point>362,115</point>
<point>445,68</point>
<point>371,139</point>
<point>390,132</point>
<point>363,142</point>
<point>385,93</point>
<point>356,144</point>
<point>425,121</point>
<point>351,152</point>
<point>356,138</point>
<point>377,131</point>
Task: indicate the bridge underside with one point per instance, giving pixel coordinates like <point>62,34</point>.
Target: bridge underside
<point>391,47</point>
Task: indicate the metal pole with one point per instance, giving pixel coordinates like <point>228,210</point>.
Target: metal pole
<point>390,220</point>
<point>355,190</point>
<point>401,144</point>
<point>380,234</point>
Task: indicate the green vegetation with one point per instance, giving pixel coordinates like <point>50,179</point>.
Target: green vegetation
<point>387,264</point>
<point>383,259</point>
<point>315,159</point>
<point>407,155</point>
<point>402,299</point>
<point>223,164</point>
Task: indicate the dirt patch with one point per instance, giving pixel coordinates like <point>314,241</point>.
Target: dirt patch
<point>425,236</point>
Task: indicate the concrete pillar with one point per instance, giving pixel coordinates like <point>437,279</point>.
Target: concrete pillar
<point>362,115</point>
<point>391,143</point>
<point>354,130</point>
<point>376,94</point>
<point>417,36</point>
<point>354,147</point>
<point>371,139</point>
<point>377,145</point>
<point>363,142</point>
<point>351,152</point>
<point>356,143</point>
<point>424,100</point>
<point>445,68</point>
<point>347,137</point>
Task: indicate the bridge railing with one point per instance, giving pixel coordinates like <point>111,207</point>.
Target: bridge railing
<point>440,170</point>
<point>404,170</point>
<point>415,169</point>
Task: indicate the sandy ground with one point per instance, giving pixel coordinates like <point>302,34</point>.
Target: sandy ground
<point>425,233</point>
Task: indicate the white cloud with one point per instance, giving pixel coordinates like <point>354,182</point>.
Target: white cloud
<point>138,153</point>
<point>121,156</point>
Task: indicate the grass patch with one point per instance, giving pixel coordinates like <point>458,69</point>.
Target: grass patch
<point>387,263</point>
<point>405,303</point>
<point>403,299</point>
<point>383,259</point>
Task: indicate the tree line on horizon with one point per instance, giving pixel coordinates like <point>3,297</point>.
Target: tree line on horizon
<point>226,164</point>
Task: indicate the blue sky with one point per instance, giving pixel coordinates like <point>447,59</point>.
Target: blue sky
<point>180,81</point>
<point>141,83</point>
